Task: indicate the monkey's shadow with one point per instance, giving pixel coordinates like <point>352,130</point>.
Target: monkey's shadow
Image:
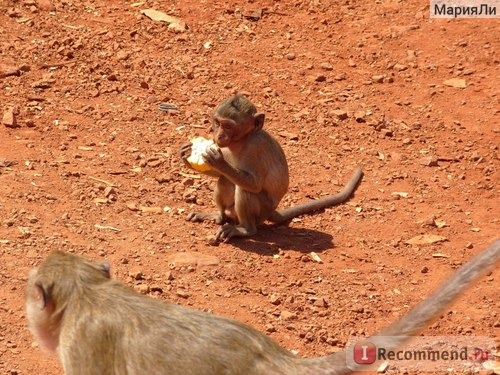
<point>272,237</point>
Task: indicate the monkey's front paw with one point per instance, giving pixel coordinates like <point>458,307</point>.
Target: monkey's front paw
<point>214,158</point>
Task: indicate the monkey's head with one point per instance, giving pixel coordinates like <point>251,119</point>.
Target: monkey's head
<point>53,285</point>
<point>234,119</point>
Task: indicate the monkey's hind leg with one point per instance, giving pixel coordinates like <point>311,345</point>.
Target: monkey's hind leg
<point>251,210</point>
<point>224,198</point>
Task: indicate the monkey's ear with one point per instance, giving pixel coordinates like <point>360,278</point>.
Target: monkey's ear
<point>258,119</point>
<point>41,296</point>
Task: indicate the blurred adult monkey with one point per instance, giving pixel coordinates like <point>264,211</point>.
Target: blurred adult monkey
<point>252,173</point>
<point>98,326</point>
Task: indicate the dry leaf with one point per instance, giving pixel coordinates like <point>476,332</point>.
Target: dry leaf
<point>425,239</point>
<point>174,23</point>
<point>456,82</point>
<point>114,229</point>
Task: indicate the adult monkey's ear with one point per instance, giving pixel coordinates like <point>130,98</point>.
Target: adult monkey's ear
<point>258,120</point>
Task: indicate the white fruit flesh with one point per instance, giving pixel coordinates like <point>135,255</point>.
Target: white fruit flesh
<point>199,146</point>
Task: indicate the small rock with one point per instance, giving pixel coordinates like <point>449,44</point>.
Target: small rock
<point>358,309</point>
<point>459,83</point>
<point>270,328</point>
<point>289,135</point>
<point>155,163</point>
<point>108,191</point>
<point>290,56</point>
<point>407,141</point>
<point>400,67</point>
<point>320,302</point>
<point>190,195</point>
<point>320,78</point>
<point>359,116</point>
<point>182,293</point>
<point>387,132</point>
<point>378,78</point>
<point>162,178</point>
<point>122,55</point>
<point>476,156</point>
<point>8,69</point>
<point>424,269</point>
<point>315,257</point>
<point>429,161</point>
<point>46,5</point>
<point>275,299</point>
<point>469,245</point>
<point>136,275</point>
<point>340,114</point>
<point>156,288</point>
<point>326,66</point>
<point>132,206</point>
<point>188,181</point>
<point>288,315</point>
<point>9,118</point>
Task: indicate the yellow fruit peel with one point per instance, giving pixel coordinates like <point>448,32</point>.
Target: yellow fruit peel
<point>200,145</point>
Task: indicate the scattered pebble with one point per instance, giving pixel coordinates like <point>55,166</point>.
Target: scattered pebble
<point>9,118</point>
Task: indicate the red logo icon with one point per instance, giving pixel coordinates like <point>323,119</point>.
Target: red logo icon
<point>365,353</point>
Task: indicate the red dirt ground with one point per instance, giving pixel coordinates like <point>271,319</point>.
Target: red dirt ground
<point>355,83</point>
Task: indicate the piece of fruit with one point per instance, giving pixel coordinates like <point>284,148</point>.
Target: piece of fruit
<point>200,144</point>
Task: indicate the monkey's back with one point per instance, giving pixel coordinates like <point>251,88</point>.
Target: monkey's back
<point>272,165</point>
<point>139,335</point>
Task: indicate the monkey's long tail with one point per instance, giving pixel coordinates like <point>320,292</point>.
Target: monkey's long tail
<point>320,204</point>
<point>417,318</point>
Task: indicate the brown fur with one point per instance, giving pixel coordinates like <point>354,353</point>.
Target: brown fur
<point>98,326</point>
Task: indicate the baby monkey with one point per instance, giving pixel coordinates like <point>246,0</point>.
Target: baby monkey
<point>98,326</point>
<point>252,173</point>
